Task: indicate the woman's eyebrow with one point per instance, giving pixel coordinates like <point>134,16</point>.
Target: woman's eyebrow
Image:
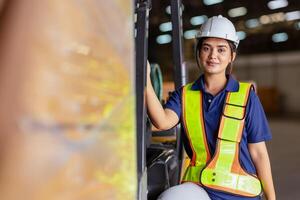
<point>207,44</point>
<point>221,45</point>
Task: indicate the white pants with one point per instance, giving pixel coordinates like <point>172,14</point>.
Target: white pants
<point>185,191</point>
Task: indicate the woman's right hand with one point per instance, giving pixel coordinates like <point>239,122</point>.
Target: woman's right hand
<point>161,119</point>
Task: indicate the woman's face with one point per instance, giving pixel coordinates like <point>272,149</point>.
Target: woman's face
<point>215,55</point>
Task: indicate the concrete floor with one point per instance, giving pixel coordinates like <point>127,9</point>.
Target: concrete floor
<point>284,150</point>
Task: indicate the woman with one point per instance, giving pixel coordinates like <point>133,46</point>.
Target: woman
<point>225,125</point>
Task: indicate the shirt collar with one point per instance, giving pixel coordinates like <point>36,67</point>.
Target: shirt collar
<point>232,85</point>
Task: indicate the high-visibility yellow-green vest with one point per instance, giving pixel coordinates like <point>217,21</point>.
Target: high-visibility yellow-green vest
<point>222,171</point>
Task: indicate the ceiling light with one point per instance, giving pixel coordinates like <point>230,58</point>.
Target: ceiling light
<point>252,23</point>
<point>289,16</point>
<point>265,19</point>
<point>272,18</point>
<point>164,27</point>
<point>297,25</point>
<point>280,37</point>
<point>241,35</point>
<point>278,4</point>
<point>168,10</point>
<point>277,17</point>
<point>164,39</point>
<point>190,34</point>
<point>237,12</point>
<point>197,20</point>
<point>211,2</point>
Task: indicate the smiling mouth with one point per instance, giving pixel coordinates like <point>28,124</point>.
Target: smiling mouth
<point>212,63</point>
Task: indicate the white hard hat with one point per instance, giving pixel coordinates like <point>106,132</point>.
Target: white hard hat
<point>189,191</point>
<point>219,27</point>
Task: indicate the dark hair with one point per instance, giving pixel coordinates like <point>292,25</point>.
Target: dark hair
<point>199,45</point>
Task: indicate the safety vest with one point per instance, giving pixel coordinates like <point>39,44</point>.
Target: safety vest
<point>222,171</point>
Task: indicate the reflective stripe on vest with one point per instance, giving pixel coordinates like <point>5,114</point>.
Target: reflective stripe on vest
<point>224,171</point>
<point>195,131</point>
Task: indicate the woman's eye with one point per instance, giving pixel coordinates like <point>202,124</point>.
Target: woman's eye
<point>221,50</point>
<point>205,48</point>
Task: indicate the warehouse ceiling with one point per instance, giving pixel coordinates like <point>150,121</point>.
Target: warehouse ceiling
<point>263,26</point>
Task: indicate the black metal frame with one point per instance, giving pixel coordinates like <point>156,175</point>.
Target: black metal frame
<point>141,50</point>
<point>177,49</point>
<point>142,8</point>
<point>179,68</point>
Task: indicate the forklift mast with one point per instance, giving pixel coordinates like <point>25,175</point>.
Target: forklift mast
<point>142,8</point>
<point>180,77</point>
<point>177,48</point>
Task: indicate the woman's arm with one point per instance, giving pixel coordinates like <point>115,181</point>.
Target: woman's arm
<point>161,118</point>
<point>260,157</point>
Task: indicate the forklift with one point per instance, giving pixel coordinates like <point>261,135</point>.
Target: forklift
<point>158,163</point>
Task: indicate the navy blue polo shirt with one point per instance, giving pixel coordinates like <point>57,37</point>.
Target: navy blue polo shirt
<point>256,126</point>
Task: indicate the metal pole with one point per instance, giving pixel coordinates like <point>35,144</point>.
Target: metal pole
<point>141,48</point>
<point>177,49</point>
<point>179,67</point>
